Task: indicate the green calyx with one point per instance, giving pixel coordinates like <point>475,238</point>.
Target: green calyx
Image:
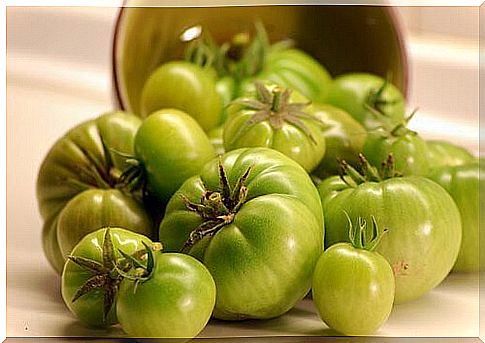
<point>134,177</point>
<point>275,107</point>
<point>358,234</point>
<point>106,275</point>
<point>134,268</point>
<point>375,101</point>
<point>216,208</point>
<point>367,173</point>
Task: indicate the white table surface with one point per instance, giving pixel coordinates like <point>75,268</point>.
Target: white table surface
<point>39,110</point>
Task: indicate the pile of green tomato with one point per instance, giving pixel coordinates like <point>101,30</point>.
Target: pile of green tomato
<point>249,178</point>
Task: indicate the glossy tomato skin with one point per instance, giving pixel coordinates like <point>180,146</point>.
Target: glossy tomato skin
<point>350,93</point>
<point>263,260</point>
<point>442,153</point>
<point>353,289</point>
<point>297,70</point>
<point>172,147</point>
<point>464,183</point>
<point>409,151</point>
<point>288,139</point>
<point>84,158</point>
<point>186,87</point>
<point>89,307</point>
<point>344,139</point>
<point>175,302</point>
<point>96,208</point>
<point>423,223</point>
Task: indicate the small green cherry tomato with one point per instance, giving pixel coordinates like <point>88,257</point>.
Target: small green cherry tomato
<point>442,153</point>
<point>368,98</point>
<point>172,147</point>
<point>464,183</point>
<point>184,86</point>
<point>276,118</point>
<point>89,280</point>
<point>173,299</point>
<point>353,286</point>
<point>409,150</point>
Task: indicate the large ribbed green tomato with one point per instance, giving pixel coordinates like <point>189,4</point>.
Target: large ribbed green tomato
<point>464,183</point>
<point>186,87</point>
<point>259,234</point>
<point>89,307</point>
<point>88,159</point>
<point>175,300</point>
<point>423,223</point>
<point>172,147</point>
<point>276,118</point>
<point>368,98</point>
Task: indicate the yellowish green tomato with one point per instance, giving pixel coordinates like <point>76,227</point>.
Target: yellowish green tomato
<point>172,147</point>
<point>184,86</point>
<point>464,183</point>
<point>353,288</point>
<point>370,99</point>
<point>276,118</point>
<point>174,299</point>
<point>90,280</point>
<point>409,150</point>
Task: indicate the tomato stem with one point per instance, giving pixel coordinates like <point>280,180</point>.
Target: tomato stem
<point>359,236</point>
<point>216,208</point>
<point>368,173</point>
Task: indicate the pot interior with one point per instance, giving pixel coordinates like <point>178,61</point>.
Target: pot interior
<point>342,38</point>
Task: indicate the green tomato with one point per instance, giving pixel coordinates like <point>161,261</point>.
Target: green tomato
<point>215,136</point>
<point>89,156</point>
<point>174,301</point>
<point>344,139</point>
<point>90,306</point>
<point>172,147</point>
<point>184,86</point>
<point>464,183</point>
<point>276,118</point>
<point>255,221</point>
<point>95,208</point>
<point>423,223</point>
<point>409,150</point>
<point>295,69</point>
<point>226,88</point>
<point>368,98</point>
<point>353,289</point>
<point>442,153</point>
